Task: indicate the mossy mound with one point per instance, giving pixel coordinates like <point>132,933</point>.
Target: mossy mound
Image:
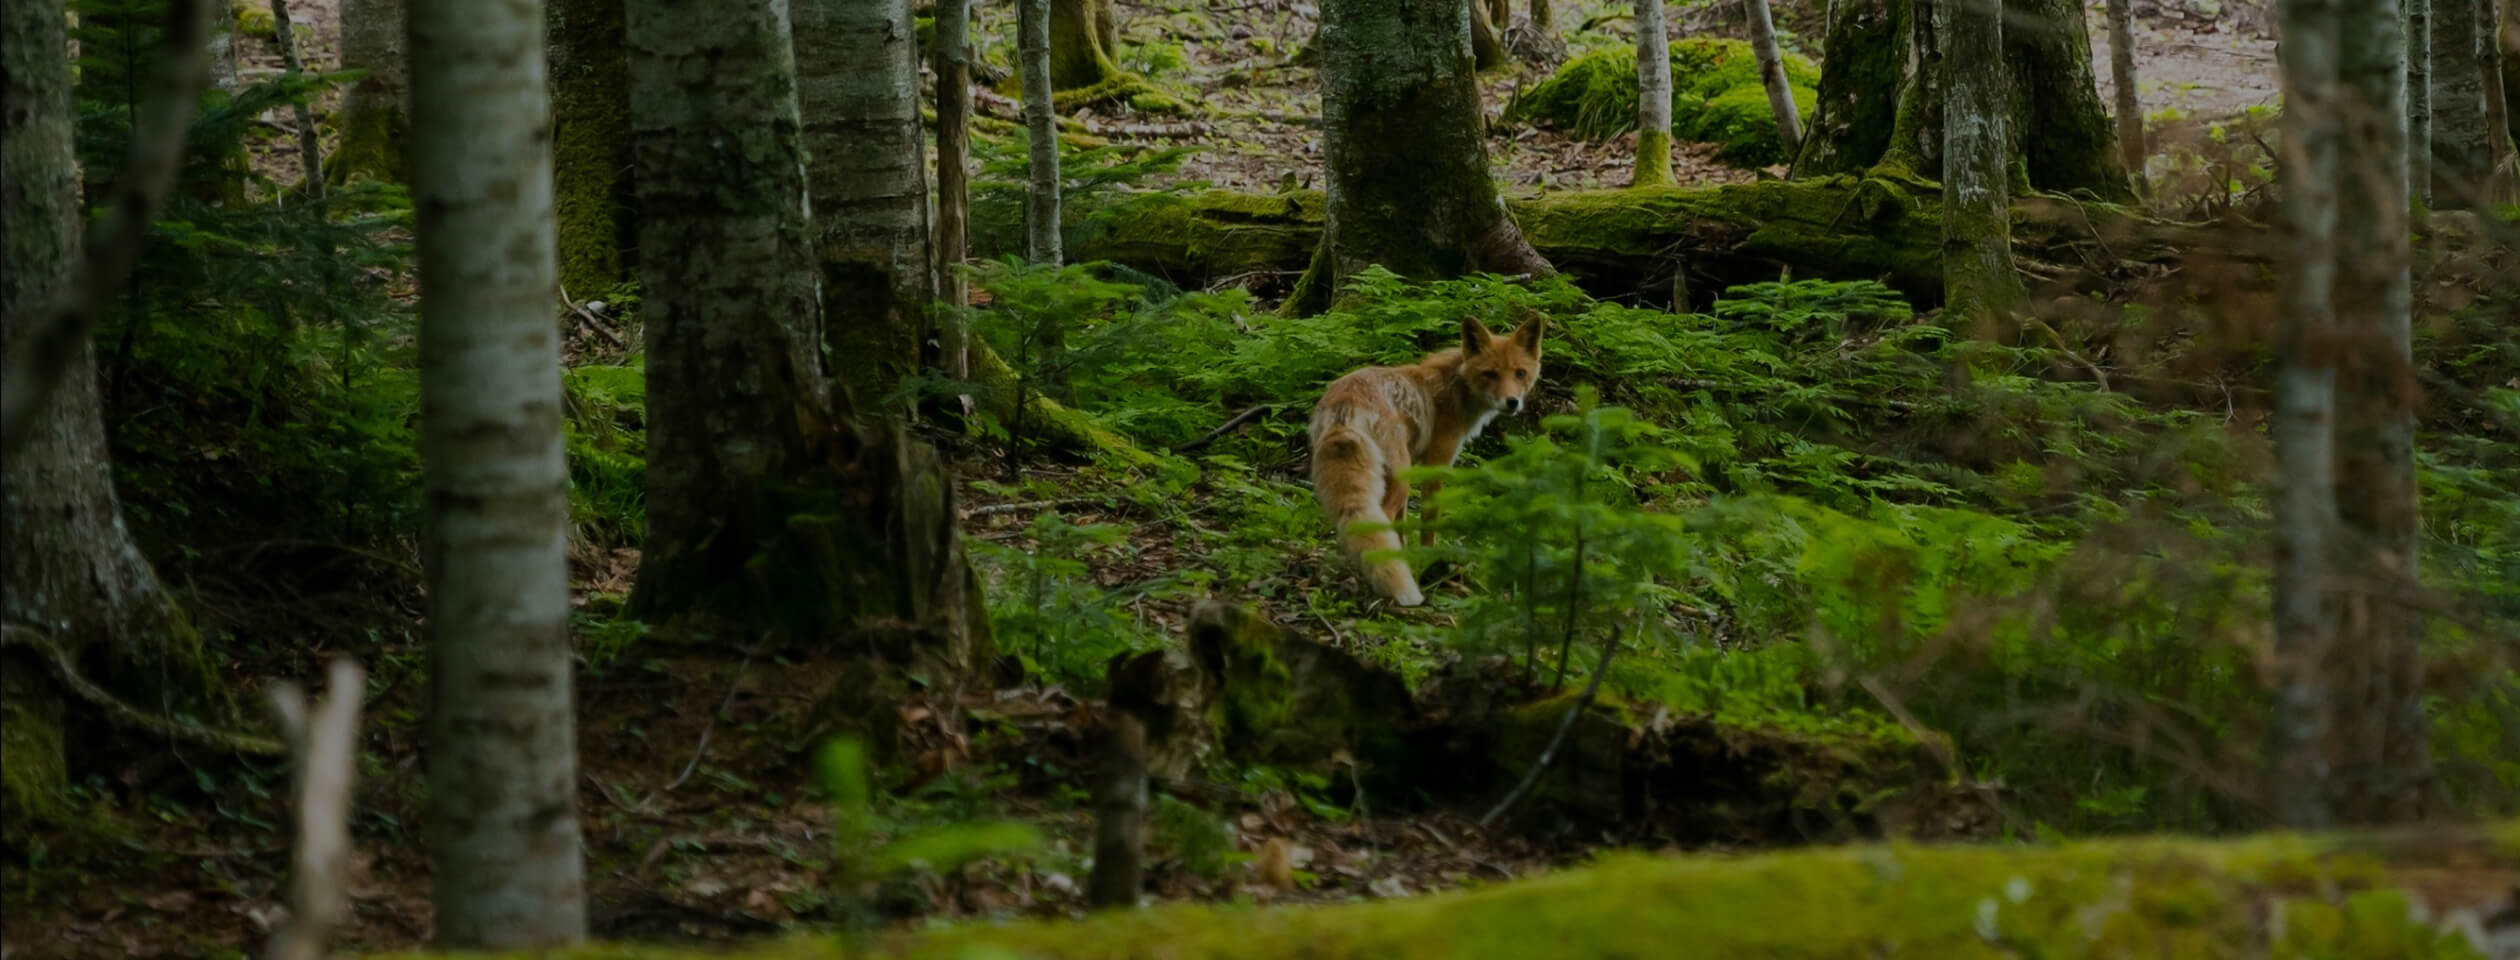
<point>1594,96</point>
<point>2277,895</point>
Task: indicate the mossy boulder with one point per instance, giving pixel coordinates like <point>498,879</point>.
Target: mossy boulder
<point>1712,81</point>
<point>2408,896</point>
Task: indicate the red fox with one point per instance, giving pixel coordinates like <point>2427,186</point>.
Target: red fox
<point>1375,423</point>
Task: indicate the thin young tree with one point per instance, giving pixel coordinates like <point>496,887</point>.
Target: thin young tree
<point>858,85</point>
<point>2296,782</point>
<point>2130,112</point>
<point>2417,17</point>
<point>503,834</point>
<point>376,110</point>
<point>1404,149</point>
<point>310,153</point>
<point>1041,206</point>
<point>1979,282</point>
<point>2462,153</point>
<point>1653,96</point>
<point>952,63</point>
<point>2382,751</point>
<point>1772,74</point>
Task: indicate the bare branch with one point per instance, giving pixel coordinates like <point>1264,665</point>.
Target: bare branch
<point>327,754</point>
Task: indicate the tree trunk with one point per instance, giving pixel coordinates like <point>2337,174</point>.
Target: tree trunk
<point>2297,787</point>
<point>1543,18</point>
<point>504,850</point>
<point>953,180</point>
<point>1880,99</point>
<point>2419,58</point>
<point>2130,112</point>
<point>1406,158</point>
<point>72,572</point>
<point>2383,755</point>
<point>1487,38</point>
<point>733,333</point>
<point>1772,74</point>
<point>1034,62</point>
<point>2499,81</point>
<point>1084,43</point>
<point>2462,156</point>
<point>1653,96</point>
<point>376,111</point>
<point>2510,45</point>
<point>858,84</point>
<point>1978,278</point>
<point>310,155</point>
<point>590,135</point>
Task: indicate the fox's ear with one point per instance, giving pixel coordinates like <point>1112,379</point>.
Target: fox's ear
<point>1474,336</point>
<point>1527,333</point>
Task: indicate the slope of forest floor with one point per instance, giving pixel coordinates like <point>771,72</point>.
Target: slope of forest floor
<point>699,812</point>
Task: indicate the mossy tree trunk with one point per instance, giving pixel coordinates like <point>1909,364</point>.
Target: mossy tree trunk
<point>1409,186</point>
<point>1979,283</point>
<point>376,111</point>
<point>2382,756</point>
<point>2417,17</point>
<point>1084,43</point>
<point>1487,37</point>
<point>2508,42</point>
<point>1653,96</point>
<point>1033,61</point>
<point>590,134</point>
<point>72,574</point>
<point>2462,152</point>
<point>774,506</point>
<point>858,84</point>
<point>953,179</point>
<point>1880,97</point>
<point>507,867</point>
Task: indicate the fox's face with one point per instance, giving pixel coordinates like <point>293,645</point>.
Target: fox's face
<point>1500,370</point>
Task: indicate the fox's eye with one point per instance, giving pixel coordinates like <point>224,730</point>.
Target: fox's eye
<point>1490,375</point>
<point>1522,374</point>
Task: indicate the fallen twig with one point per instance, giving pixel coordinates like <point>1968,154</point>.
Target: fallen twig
<point>327,751</point>
<point>1229,426</point>
<point>1027,506</point>
<point>592,321</point>
<point>1582,703</point>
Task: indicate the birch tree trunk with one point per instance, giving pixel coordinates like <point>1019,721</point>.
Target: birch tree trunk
<point>503,828</point>
<point>2303,427</point>
<point>310,153</point>
<point>2130,112</point>
<point>1653,96</point>
<point>953,179</point>
<point>69,570</point>
<point>858,85</point>
<point>2418,20</point>
<point>1403,142</point>
<point>1041,207</point>
<point>1772,74</point>
<point>2462,156</point>
<point>733,321</point>
<point>376,110</point>
<point>1978,276</point>
<point>592,195</point>
<point>2383,756</point>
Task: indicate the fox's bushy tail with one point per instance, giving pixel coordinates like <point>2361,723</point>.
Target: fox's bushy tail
<point>1350,478</point>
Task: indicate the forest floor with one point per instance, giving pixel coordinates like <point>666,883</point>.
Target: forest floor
<point>696,826</point>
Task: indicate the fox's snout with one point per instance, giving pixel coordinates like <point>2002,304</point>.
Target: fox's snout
<point>1512,405</point>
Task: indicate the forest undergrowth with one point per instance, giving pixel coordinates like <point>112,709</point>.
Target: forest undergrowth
<point>1808,514</point>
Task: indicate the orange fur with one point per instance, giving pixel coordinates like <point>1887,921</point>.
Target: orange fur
<point>1374,424</point>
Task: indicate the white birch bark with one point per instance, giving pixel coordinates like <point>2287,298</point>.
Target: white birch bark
<point>1772,74</point>
<point>503,834</point>
<point>1041,209</point>
<point>858,86</point>
<point>1653,95</point>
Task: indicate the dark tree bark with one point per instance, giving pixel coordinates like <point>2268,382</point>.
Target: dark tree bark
<point>506,863</point>
<point>1119,812</point>
<point>2509,43</point>
<point>1880,97</point>
<point>2382,756</point>
<point>376,112</point>
<point>1487,38</point>
<point>953,178</point>
<point>590,135</point>
<point>2418,20</point>
<point>858,85</point>
<point>69,570</point>
<point>2462,153</point>
<point>1408,177</point>
<point>1084,43</point>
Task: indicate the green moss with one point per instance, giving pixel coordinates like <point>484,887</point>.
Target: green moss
<point>33,768</point>
<point>256,22</point>
<point>1742,122</point>
<point>1716,97</point>
<point>375,143</point>
<point>1139,93</point>
<point>590,128</point>
<point>2277,896</point>
<point>1653,158</point>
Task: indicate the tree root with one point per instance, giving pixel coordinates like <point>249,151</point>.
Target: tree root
<point>124,714</point>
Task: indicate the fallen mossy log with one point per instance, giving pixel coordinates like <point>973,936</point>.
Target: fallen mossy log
<point>1629,242</point>
<point>2437,892</point>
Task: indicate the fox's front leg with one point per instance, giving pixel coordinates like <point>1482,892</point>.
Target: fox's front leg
<point>1440,451</point>
<point>1395,498</point>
